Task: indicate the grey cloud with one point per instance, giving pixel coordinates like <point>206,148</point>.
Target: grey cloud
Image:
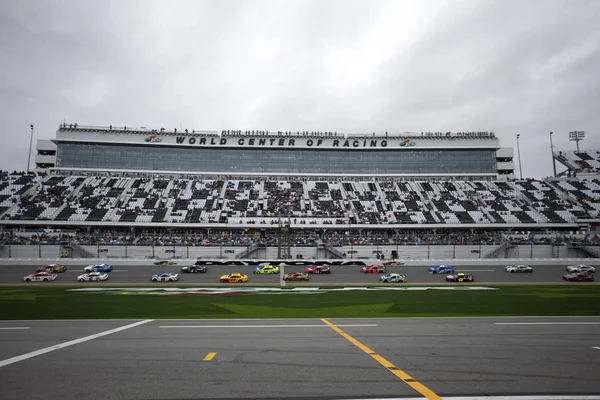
<point>526,67</point>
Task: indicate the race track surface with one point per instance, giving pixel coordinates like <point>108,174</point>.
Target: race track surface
<point>340,275</point>
<point>306,358</point>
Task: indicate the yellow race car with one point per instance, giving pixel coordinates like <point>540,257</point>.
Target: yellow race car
<point>235,277</point>
<point>52,268</point>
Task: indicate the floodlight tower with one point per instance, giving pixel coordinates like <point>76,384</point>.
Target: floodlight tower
<point>576,136</point>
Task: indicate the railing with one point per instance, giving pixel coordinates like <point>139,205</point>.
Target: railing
<point>246,253</point>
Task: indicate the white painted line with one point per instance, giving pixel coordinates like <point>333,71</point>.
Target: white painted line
<point>546,323</point>
<point>36,353</point>
<point>260,326</point>
<point>555,397</point>
<point>80,271</point>
<point>475,270</point>
<point>14,327</point>
<point>597,348</point>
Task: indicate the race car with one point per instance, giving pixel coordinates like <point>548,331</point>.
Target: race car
<point>235,277</point>
<point>373,269</point>
<point>165,262</point>
<point>318,269</point>
<point>98,268</point>
<point>93,276</point>
<point>52,268</point>
<point>40,277</point>
<point>518,268</point>
<point>195,268</point>
<point>266,269</point>
<point>165,277</point>
<point>392,278</point>
<point>441,269</point>
<point>581,268</point>
<point>459,277</point>
<point>296,276</point>
<point>578,276</point>
<point>393,262</point>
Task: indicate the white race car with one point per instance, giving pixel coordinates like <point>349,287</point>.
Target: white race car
<point>93,276</point>
<point>40,277</point>
<point>518,268</point>
<point>581,268</point>
<point>166,277</point>
<point>98,268</point>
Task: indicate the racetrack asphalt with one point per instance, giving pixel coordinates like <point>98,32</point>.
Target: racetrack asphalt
<point>305,358</point>
<point>340,275</point>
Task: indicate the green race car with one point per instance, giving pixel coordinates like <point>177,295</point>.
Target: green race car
<point>266,269</point>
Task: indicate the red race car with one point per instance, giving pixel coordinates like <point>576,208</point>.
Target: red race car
<point>318,269</point>
<point>373,269</point>
<point>578,276</point>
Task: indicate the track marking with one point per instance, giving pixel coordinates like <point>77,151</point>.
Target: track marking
<point>80,271</point>
<point>555,397</point>
<point>261,326</point>
<point>597,348</point>
<point>210,356</point>
<point>546,323</point>
<point>36,353</point>
<point>476,270</point>
<point>14,328</point>
<point>404,377</point>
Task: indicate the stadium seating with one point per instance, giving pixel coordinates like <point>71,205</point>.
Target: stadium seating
<point>585,161</point>
<point>237,202</point>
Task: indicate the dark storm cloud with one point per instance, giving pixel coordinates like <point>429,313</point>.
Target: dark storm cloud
<point>526,67</point>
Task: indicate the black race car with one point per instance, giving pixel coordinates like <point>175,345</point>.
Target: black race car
<point>459,277</point>
<point>195,268</point>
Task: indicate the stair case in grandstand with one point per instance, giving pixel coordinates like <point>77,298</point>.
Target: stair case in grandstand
<point>486,212</point>
<point>79,252</point>
<point>249,251</point>
<point>433,208</point>
<point>59,210</point>
<point>592,251</point>
<point>532,213</point>
<point>500,251</point>
<point>332,251</point>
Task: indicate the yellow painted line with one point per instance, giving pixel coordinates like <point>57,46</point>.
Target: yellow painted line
<point>210,356</point>
<point>404,377</point>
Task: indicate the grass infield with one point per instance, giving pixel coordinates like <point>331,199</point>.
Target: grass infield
<point>47,302</point>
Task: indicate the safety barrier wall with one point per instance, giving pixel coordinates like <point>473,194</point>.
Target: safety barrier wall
<point>450,252</point>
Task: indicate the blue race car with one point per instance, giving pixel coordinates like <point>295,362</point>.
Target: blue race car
<point>98,268</point>
<point>441,269</point>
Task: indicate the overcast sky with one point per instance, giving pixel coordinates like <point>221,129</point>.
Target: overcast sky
<point>527,67</point>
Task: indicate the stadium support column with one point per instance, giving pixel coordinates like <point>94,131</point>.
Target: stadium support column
<point>519,155</point>
<point>552,154</point>
<point>30,143</point>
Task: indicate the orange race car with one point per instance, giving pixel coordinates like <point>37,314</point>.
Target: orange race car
<point>296,276</point>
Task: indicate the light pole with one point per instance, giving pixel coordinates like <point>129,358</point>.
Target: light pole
<point>519,155</point>
<point>552,154</point>
<point>30,142</point>
<point>576,136</point>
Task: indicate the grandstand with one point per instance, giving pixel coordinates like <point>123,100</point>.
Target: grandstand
<point>579,162</point>
<point>152,183</point>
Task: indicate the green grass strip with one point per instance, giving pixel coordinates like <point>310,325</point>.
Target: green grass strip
<point>46,302</point>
